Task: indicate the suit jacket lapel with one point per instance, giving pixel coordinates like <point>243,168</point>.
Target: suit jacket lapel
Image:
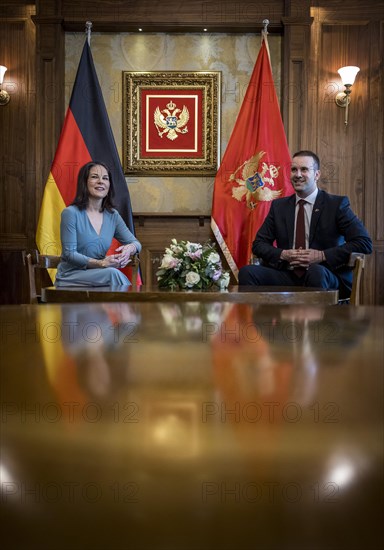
<point>316,213</point>
<point>290,219</point>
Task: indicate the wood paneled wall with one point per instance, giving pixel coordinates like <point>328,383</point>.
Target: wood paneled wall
<point>17,148</point>
<point>352,154</point>
<point>333,35</point>
<point>319,36</point>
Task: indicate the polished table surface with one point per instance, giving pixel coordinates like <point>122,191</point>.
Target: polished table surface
<point>191,426</point>
<point>234,294</point>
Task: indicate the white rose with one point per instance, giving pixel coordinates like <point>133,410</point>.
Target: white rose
<point>223,282</point>
<point>192,278</point>
<point>213,258</point>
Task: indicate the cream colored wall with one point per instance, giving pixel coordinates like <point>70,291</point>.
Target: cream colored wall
<point>232,54</point>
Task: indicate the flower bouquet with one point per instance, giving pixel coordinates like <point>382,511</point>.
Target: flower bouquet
<point>191,266</point>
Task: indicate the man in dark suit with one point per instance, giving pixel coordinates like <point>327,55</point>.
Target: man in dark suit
<point>307,238</point>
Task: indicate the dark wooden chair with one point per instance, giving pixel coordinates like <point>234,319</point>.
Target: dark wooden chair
<point>134,263</point>
<point>357,262</point>
<point>37,266</point>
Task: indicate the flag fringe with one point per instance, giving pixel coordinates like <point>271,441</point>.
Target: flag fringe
<point>227,254</point>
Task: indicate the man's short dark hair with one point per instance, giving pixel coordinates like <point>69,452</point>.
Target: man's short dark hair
<point>309,154</point>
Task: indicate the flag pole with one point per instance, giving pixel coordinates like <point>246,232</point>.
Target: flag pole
<point>88,31</point>
<point>264,34</point>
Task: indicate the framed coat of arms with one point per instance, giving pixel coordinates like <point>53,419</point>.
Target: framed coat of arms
<point>171,122</point>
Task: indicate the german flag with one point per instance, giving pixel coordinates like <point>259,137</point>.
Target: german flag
<point>86,136</point>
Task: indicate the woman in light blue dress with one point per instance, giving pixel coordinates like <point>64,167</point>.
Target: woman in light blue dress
<point>87,228</point>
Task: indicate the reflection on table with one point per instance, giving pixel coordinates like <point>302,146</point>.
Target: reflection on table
<point>191,425</point>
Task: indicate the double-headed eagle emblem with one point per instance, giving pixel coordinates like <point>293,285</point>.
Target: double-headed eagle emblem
<point>172,123</point>
<point>252,183</point>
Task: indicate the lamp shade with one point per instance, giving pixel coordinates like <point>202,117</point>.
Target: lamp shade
<point>348,74</point>
<point>2,73</point>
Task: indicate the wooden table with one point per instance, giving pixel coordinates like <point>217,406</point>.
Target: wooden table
<point>199,425</point>
<point>234,294</point>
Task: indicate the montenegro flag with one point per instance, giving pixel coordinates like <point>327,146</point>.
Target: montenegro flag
<point>254,169</point>
<point>86,136</point>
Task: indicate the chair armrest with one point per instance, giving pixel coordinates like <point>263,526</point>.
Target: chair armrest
<point>357,262</point>
<point>134,264</point>
<point>353,258</point>
<point>48,261</point>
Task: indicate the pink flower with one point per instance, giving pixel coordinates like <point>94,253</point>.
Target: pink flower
<point>169,262</point>
<point>194,250</point>
<point>194,255</point>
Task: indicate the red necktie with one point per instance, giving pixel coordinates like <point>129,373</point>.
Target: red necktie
<point>300,235</point>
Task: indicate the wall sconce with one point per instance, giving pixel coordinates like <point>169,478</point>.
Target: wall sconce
<point>348,75</point>
<point>4,95</point>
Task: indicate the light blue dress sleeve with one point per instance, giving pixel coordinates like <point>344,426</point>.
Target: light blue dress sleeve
<point>123,234</point>
<point>69,241</point>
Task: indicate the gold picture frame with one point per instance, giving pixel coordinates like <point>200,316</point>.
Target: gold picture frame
<point>171,122</point>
